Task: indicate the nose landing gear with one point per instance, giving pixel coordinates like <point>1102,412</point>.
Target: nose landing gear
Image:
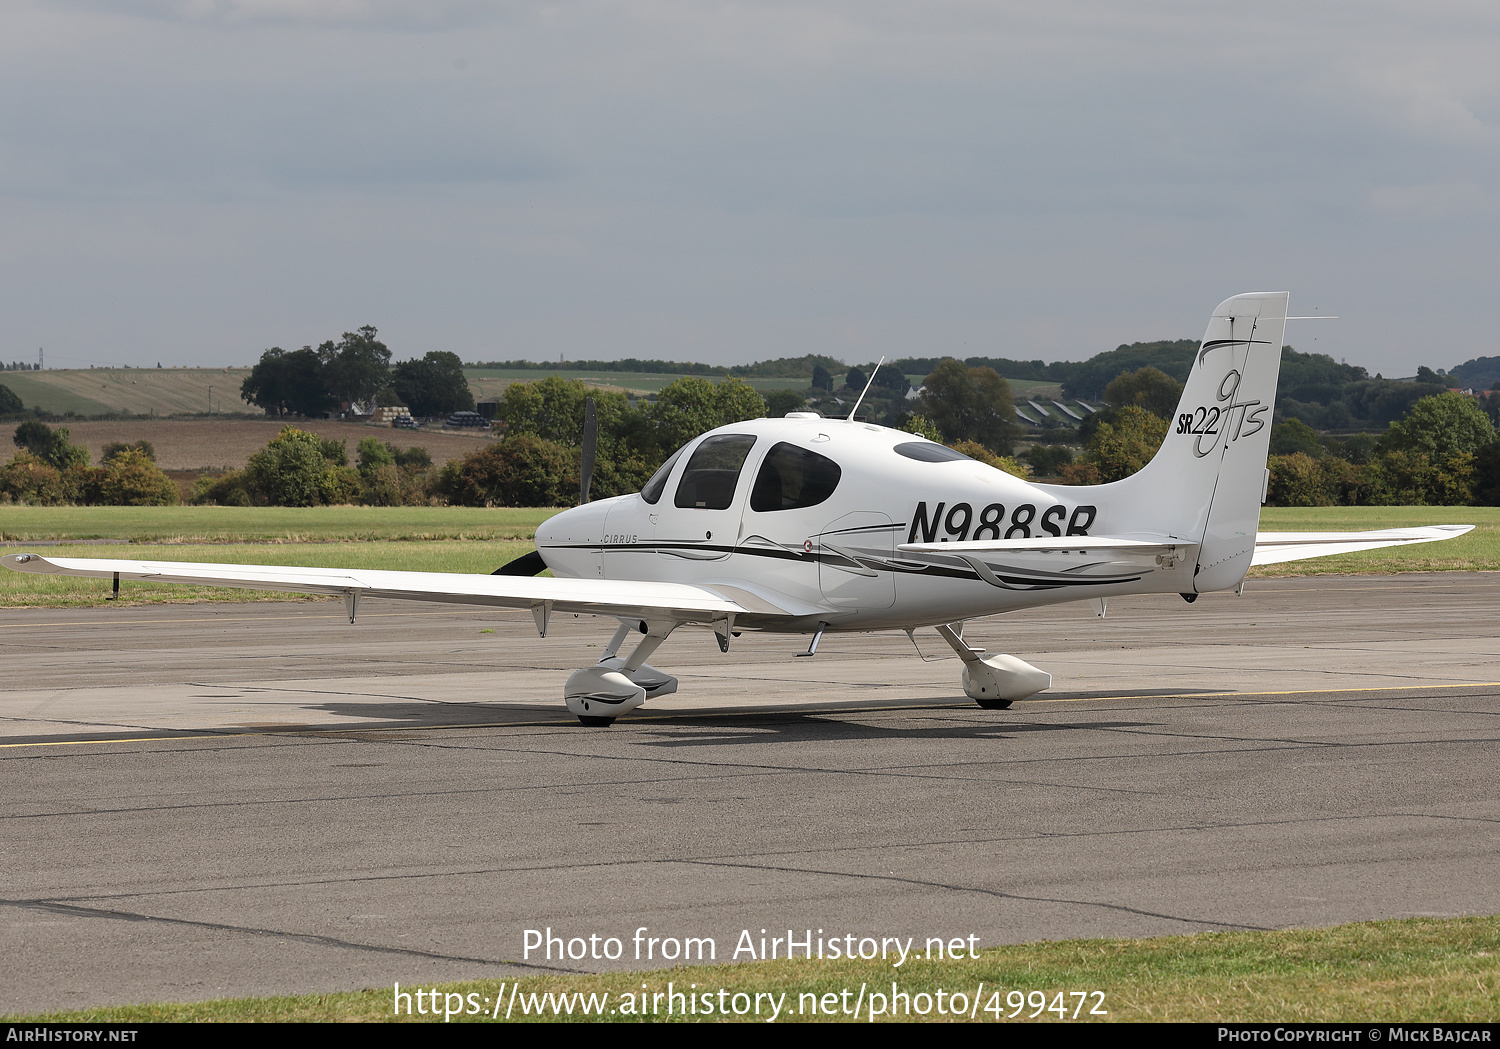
<point>615,686</point>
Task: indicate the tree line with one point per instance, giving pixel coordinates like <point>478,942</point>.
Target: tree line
<point>356,370</point>
<point>1444,450</point>
<point>49,469</point>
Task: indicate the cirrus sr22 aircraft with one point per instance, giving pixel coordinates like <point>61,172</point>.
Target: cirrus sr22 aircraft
<point>804,525</point>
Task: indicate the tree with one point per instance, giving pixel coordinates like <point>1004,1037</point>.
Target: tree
<point>970,404</point>
<point>980,453</point>
<point>553,410</point>
<point>35,436</point>
<point>292,471</point>
<point>434,385</point>
<point>373,455</point>
<point>293,382</point>
<point>1120,448</point>
<point>1091,377</point>
<point>1149,388</point>
<point>10,404</point>
<point>1292,436</point>
<point>27,478</point>
<point>522,470</point>
<point>779,402</point>
<point>49,445</point>
<point>821,378</point>
<point>358,367</point>
<point>1296,480</point>
<point>131,478</point>
<point>919,425</point>
<point>114,448</point>
<point>1440,427</point>
<point>690,406</point>
<point>891,379</point>
<point>1048,460</point>
<point>856,379</point>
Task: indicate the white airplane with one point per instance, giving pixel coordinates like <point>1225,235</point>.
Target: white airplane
<point>804,525</point>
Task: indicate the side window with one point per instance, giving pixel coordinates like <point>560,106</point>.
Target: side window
<point>792,478</point>
<point>709,481</point>
<point>652,492</point>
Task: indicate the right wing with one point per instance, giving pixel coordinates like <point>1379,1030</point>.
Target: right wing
<point>620,598</point>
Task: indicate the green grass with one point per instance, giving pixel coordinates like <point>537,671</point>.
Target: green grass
<point>24,590</point>
<point>1426,970</point>
<point>267,524</point>
<point>1478,551</point>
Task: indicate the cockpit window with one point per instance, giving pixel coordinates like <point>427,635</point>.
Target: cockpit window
<point>654,487</point>
<point>712,473</point>
<point>929,452</point>
<point>792,478</point>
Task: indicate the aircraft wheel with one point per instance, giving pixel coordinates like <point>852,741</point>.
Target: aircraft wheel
<point>598,722</point>
<point>994,704</point>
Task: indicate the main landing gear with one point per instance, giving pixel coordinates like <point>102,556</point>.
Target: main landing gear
<point>993,681</point>
<point>615,686</point>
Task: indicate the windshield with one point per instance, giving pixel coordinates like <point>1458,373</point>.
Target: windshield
<point>654,487</point>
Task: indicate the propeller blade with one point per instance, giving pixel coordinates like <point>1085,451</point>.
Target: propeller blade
<point>590,444</point>
<point>526,564</point>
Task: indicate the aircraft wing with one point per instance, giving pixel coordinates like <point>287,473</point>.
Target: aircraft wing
<point>622,598</point>
<point>1274,547</point>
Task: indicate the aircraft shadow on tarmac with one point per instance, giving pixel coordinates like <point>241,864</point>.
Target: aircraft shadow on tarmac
<point>833,727</point>
<point>959,721</point>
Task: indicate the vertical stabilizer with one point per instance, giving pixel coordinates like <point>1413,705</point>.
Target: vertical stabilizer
<point>1243,345</point>
<point>1204,485</point>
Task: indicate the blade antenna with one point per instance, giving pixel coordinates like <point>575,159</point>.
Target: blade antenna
<point>870,382</point>
<point>590,445</point>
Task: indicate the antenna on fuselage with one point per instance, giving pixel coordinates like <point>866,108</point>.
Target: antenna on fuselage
<point>870,382</point>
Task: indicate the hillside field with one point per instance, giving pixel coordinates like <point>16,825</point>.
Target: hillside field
<point>137,391</point>
<point>225,444</point>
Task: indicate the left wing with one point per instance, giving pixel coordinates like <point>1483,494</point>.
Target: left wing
<point>622,598</point>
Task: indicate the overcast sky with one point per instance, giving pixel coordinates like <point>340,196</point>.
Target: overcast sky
<point>193,181</point>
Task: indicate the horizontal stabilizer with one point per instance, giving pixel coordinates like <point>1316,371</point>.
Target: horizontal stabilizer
<point>1274,547</point>
<point>1270,547</point>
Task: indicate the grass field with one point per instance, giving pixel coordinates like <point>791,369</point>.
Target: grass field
<point>461,539</point>
<point>1426,970</point>
<point>141,391</point>
<point>267,524</point>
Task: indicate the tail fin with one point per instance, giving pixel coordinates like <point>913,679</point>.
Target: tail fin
<point>1205,483</point>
